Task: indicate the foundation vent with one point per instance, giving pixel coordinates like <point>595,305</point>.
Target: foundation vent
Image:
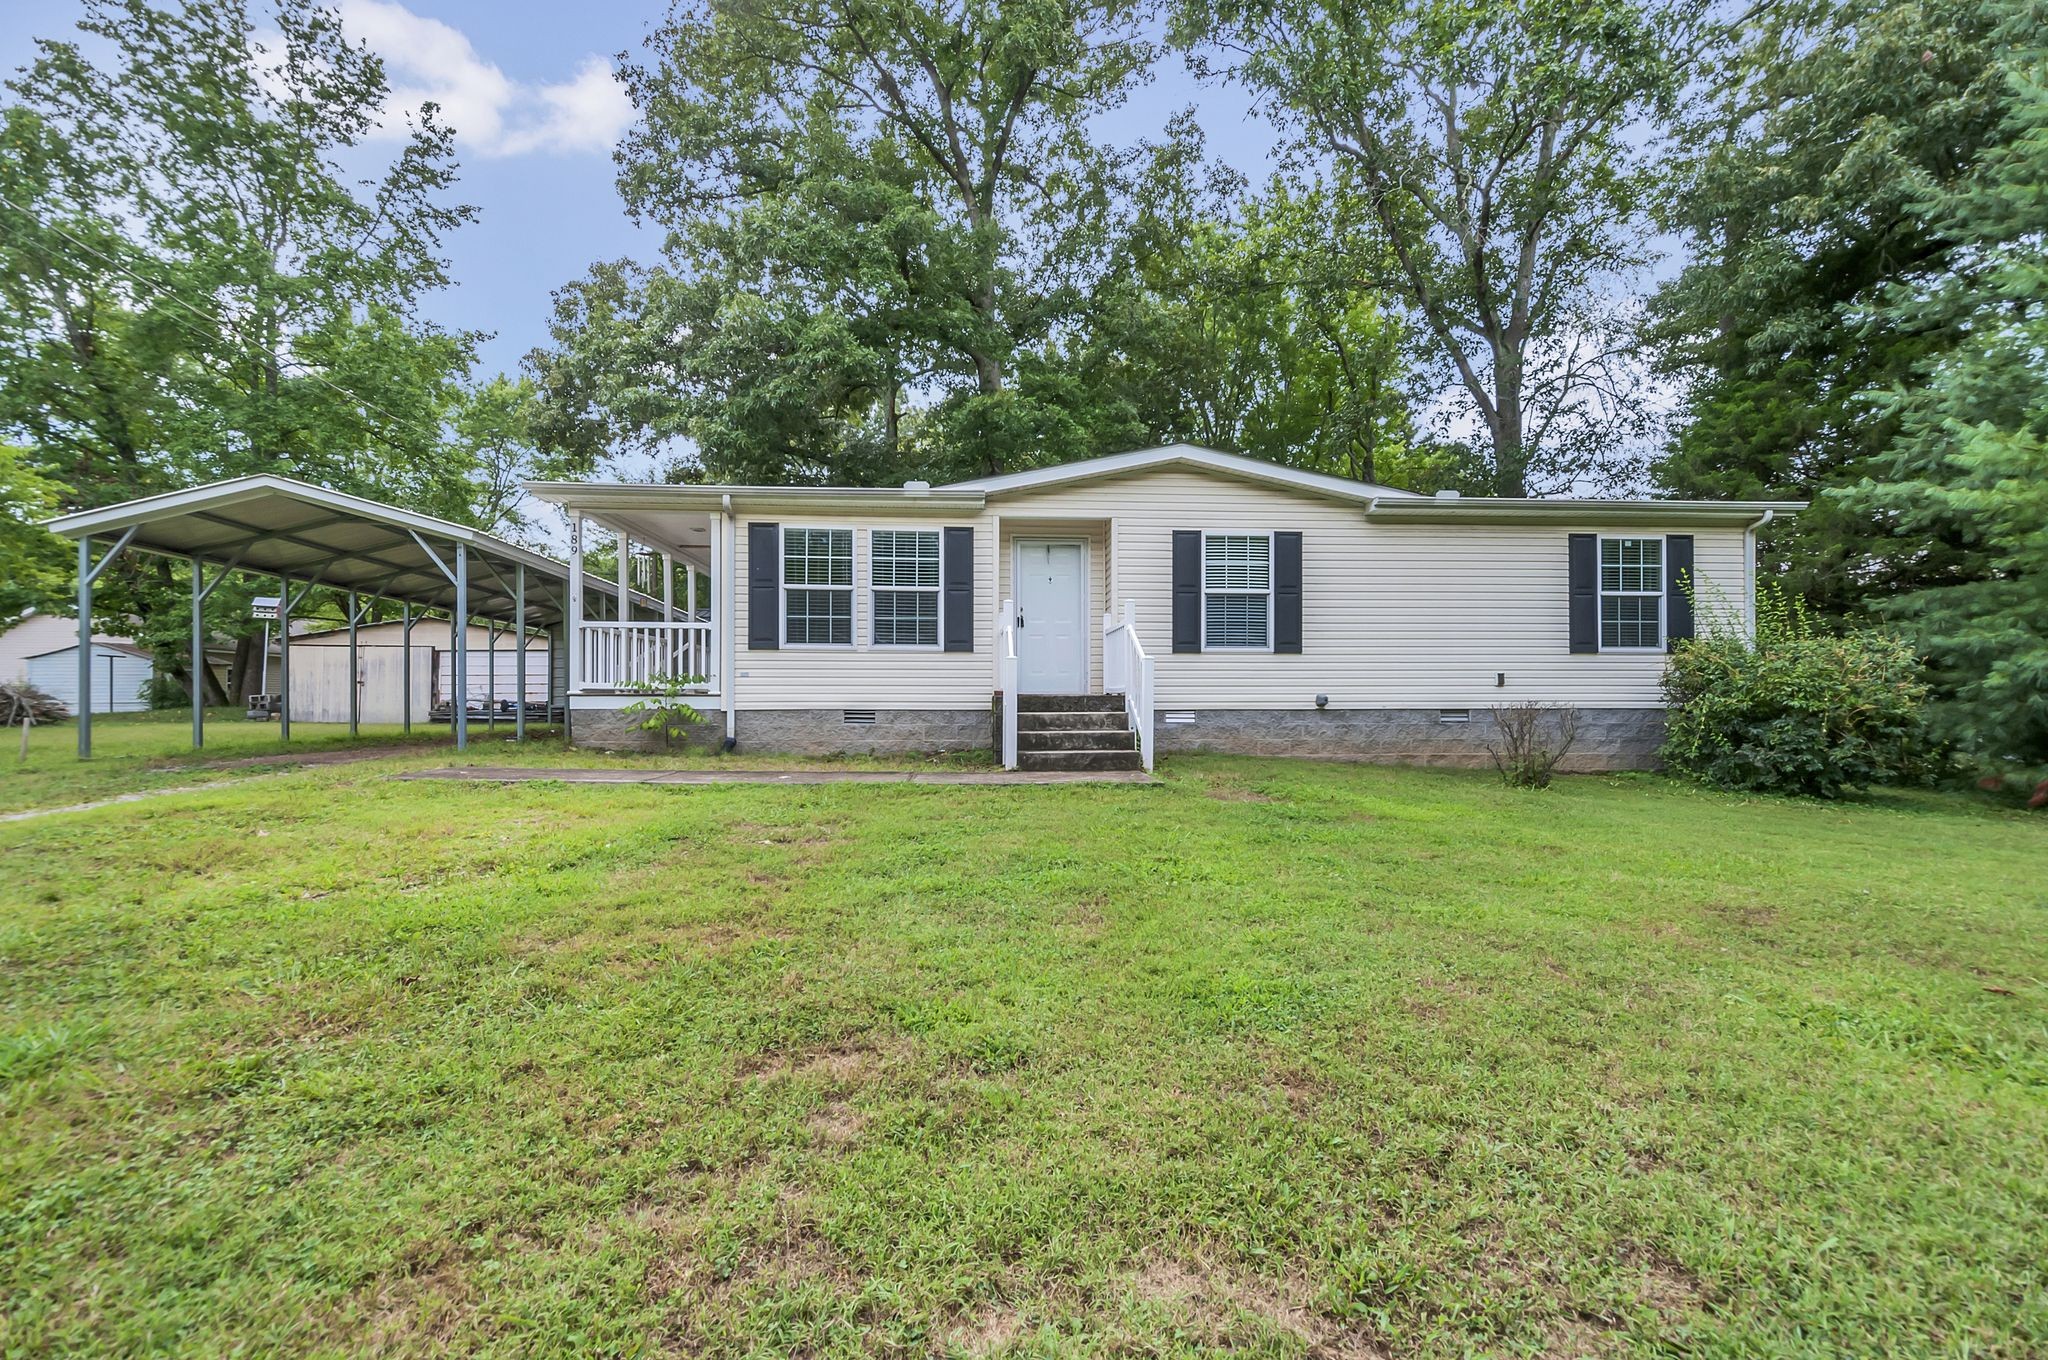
<point>1177,717</point>
<point>859,717</point>
<point>1454,715</point>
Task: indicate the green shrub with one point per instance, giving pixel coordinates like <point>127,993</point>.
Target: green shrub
<point>1786,708</point>
<point>665,711</point>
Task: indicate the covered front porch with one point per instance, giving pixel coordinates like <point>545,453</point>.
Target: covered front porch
<point>660,625</point>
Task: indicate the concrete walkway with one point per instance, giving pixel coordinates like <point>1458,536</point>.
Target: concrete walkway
<point>514,774</point>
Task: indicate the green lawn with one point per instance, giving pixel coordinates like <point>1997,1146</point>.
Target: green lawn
<point>141,751</point>
<point>1277,1058</point>
<point>153,751</point>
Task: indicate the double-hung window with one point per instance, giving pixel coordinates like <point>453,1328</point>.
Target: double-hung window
<point>1631,594</point>
<point>903,572</point>
<point>1237,592</point>
<point>817,587</point>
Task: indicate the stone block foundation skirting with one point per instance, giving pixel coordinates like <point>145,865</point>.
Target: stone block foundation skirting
<point>800,731</point>
<point>1608,738</point>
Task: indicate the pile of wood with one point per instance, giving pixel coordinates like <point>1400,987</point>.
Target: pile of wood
<point>22,702</point>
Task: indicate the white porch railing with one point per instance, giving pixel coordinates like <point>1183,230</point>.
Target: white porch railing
<point>1006,678</point>
<point>631,656</point>
<point>1127,670</point>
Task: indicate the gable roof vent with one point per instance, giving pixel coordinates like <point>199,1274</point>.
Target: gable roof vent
<point>1447,495</point>
<point>917,486</point>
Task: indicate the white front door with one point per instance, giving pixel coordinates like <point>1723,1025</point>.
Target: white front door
<point>1052,600</point>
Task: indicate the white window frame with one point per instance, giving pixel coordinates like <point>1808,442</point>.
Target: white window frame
<point>851,588</point>
<point>1269,592</point>
<point>937,591</point>
<point>1601,594</point>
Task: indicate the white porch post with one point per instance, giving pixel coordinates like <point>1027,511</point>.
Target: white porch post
<point>698,664</point>
<point>625,577</point>
<point>573,624</point>
<point>671,641</point>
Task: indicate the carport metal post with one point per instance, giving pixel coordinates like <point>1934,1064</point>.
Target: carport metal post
<point>519,665</point>
<point>405,664</point>
<point>88,572</point>
<point>202,589</point>
<point>491,675</point>
<point>85,575</point>
<point>355,686</point>
<point>459,714</point>
<point>284,657</point>
<point>198,654</point>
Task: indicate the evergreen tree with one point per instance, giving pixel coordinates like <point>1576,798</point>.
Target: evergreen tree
<point>1800,189</point>
<point>1966,473</point>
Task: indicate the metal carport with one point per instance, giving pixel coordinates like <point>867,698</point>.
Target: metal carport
<point>308,536</point>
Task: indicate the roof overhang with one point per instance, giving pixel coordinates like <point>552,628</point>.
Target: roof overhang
<point>1648,514</point>
<point>282,527</point>
<point>1191,456</point>
<point>598,499</point>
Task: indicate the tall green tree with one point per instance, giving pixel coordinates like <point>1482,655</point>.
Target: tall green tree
<point>874,208</point>
<point>1801,190</point>
<point>1490,144</point>
<point>197,287</point>
<point>1234,323</point>
<point>1967,467</point>
<point>494,451</point>
<point>33,565</point>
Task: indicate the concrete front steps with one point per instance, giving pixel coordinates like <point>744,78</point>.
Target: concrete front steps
<point>1075,732</point>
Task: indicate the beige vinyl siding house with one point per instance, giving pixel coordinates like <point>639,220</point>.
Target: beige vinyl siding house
<point>1205,600</point>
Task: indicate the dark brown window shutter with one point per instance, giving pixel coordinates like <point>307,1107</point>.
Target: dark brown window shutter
<point>1585,592</point>
<point>764,586</point>
<point>1678,583</point>
<point>1287,592</point>
<point>956,576</point>
<point>1187,590</point>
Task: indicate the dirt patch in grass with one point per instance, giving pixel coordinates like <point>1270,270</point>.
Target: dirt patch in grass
<point>420,1305</point>
<point>1215,1301</point>
<point>806,835</point>
<point>1575,1338</point>
<point>1669,1287</point>
<point>836,1066</point>
<point>992,1330</point>
<point>837,1124</point>
<point>1231,792</point>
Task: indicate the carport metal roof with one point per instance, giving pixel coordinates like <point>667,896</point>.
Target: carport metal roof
<point>277,526</point>
<point>313,537</point>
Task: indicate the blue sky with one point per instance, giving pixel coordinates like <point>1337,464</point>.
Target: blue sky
<point>525,84</point>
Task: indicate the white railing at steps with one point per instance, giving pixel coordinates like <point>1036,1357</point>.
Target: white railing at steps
<point>1006,678</point>
<point>1127,670</point>
<point>631,656</point>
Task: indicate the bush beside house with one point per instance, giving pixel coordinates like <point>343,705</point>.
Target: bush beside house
<point>1784,708</point>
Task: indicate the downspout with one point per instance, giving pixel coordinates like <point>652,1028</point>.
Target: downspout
<point>732,675</point>
<point>1749,562</point>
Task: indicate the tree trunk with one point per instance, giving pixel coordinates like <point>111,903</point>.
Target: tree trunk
<point>242,672</point>
<point>181,671</point>
<point>1510,457</point>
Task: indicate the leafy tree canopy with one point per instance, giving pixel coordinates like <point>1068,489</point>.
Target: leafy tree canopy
<point>1488,145</point>
<point>1802,193</point>
<point>193,287</point>
<point>874,207</point>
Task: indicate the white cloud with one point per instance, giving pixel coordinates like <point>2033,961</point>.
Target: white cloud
<point>490,112</point>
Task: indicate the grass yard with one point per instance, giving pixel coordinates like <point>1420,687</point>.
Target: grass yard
<point>146,752</point>
<point>1279,1059</point>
